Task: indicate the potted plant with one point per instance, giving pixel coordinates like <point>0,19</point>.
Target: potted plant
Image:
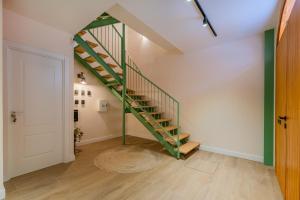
<point>77,138</point>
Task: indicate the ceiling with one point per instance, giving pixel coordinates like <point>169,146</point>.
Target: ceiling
<point>176,21</point>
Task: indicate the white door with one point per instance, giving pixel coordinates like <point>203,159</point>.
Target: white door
<point>35,103</point>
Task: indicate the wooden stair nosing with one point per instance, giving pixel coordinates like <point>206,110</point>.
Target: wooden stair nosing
<point>127,89</point>
<point>100,68</point>
<point>109,84</point>
<point>81,33</point>
<point>91,59</point>
<point>91,44</point>
<point>163,120</point>
<point>144,106</point>
<point>142,100</point>
<point>80,49</point>
<point>168,128</point>
<point>137,95</point>
<point>152,113</point>
<point>108,76</point>
<point>188,147</point>
<point>174,138</point>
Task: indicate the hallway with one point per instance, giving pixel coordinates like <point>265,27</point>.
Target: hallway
<point>205,176</point>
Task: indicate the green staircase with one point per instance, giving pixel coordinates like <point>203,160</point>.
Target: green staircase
<point>101,48</point>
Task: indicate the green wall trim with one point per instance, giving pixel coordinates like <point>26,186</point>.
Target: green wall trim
<point>269,97</point>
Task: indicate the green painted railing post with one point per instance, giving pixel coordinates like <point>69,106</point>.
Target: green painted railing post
<point>123,63</point>
<point>269,98</point>
<point>178,133</point>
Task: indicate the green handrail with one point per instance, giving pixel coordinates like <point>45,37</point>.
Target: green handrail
<point>153,83</point>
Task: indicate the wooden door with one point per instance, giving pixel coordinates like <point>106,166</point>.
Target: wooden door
<point>280,130</point>
<point>35,106</point>
<point>293,106</point>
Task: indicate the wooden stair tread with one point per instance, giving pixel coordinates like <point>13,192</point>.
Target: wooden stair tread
<point>113,83</point>
<point>91,44</point>
<point>80,49</point>
<point>163,120</point>
<point>91,59</point>
<point>100,68</point>
<point>151,113</point>
<point>144,106</point>
<point>137,95</point>
<point>188,147</point>
<point>182,136</point>
<point>112,65</point>
<point>111,76</point>
<point>127,90</point>
<point>142,100</point>
<point>167,128</point>
<point>81,33</point>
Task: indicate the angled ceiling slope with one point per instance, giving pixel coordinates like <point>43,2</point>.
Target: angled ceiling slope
<point>72,15</point>
<point>123,15</point>
<point>67,15</point>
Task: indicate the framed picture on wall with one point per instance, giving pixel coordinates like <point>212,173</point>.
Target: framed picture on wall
<point>89,93</point>
<point>76,92</point>
<point>82,93</point>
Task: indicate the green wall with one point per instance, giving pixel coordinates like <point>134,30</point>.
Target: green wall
<point>269,98</point>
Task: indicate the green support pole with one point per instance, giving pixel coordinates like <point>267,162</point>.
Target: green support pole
<point>124,84</point>
<point>269,98</point>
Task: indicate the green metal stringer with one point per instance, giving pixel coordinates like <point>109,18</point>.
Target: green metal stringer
<point>168,146</point>
<point>90,68</point>
<point>108,20</point>
<point>124,92</point>
<point>91,52</point>
<point>269,98</point>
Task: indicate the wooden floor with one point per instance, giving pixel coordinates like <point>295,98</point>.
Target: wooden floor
<point>203,176</point>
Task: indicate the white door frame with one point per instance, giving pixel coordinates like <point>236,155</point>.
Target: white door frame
<point>67,100</point>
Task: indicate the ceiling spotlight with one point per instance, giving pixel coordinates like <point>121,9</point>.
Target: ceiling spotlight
<point>188,0</point>
<point>205,22</point>
<point>81,78</point>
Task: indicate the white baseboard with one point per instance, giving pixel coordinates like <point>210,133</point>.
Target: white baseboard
<point>98,139</point>
<point>226,152</point>
<point>212,149</point>
<point>2,191</point>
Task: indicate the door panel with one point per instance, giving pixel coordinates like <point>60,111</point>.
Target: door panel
<point>293,106</point>
<point>280,131</point>
<point>35,95</point>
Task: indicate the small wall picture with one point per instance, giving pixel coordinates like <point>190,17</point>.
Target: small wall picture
<point>82,93</point>
<point>76,92</point>
<point>76,102</point>
<point>89,93</point>
<point>82,102</point>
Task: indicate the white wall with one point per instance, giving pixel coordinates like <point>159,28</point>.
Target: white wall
<point>25,31</point>
<point>142,49</point>
<point>220,90</point>
<point>96,125</point>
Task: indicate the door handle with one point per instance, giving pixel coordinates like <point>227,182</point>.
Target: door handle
<point>282,118</point>
<point>13,116</point>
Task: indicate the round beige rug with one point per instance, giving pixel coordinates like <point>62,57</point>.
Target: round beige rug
<point>128,159</point>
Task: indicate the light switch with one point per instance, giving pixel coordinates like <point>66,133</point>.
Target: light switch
<point>103,106</point>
